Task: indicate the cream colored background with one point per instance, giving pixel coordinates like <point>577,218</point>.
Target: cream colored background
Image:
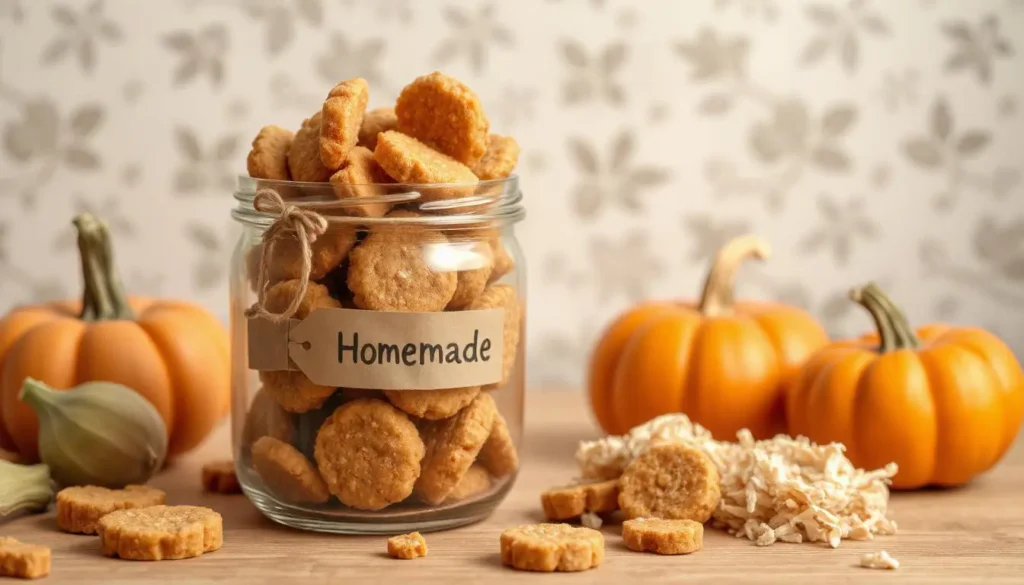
<point>864,140</point>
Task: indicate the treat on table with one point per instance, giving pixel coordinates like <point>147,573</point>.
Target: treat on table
<point>407,546</point>
<point>22,560</point>
<point>160,533</point>
<point>219,477</point>
<point>670,480</point>
<point>572,501</point>
<point>79,508</point>
<point>287,473</point>
<point>663,537</point>
<point>551,547</point>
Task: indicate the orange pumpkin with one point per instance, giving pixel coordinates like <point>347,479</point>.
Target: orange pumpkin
<point>173,353</point>
<point>725,364</point>
<point>944,403</point>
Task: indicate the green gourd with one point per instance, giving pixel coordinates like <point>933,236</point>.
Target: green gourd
<point>98,433</point>
<point>24,488</point>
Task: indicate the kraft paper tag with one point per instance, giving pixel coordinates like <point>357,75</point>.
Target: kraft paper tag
<point>353,348</point>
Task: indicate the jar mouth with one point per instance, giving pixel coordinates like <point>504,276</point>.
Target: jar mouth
<point>492,202</point>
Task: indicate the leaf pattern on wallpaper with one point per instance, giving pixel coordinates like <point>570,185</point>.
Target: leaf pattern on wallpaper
<point>109,211</point>
<point>28,286</point>
<point>708,233</point>
<point>840,31</point>
<point>281,19</point>
<point>592,77</point>
<point>624,266</point>
<point>767,10</point>
<point>841,225</point>
<point>998,247</point>
<point>472,35</point>
<point>976,48</point>
<point>13,10</point>
<point>205,169</point>
<point>199,54</point>
<point>343,59</point>
<point>512,106</point>
<point>900,89</point>
<point>80,33</point>
<point>613,179</point>
<point>212,254</point>
<point>566,353</point>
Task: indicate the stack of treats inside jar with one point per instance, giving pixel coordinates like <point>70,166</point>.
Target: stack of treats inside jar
<point>376,448</point>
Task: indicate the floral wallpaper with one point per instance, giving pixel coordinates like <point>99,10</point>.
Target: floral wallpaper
<point>864,139</point>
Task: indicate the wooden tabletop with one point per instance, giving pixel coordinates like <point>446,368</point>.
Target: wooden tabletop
<point>969,535</point>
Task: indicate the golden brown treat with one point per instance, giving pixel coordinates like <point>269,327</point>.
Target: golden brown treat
<point>407,160</point>
<point>500,160</point>
<point>452,445</point>
<point>160,533</point>
<point>472,281</point>
<point>267,419</point>
<point>80,507</point>
<point>407,546</point>
<point>23,561</point>
<point>446,114</point>
<point>287,473</point>
<point>432,404</point>
<point>551,547</point>
<point>219,477</point>
<point>327,252</point>
<point>475,482</point>
<point>342,117</point>
<point>670,480</point>
<point>374,122</point>
<point>304,155</point>
<point>355,180</point>
<point>503,262</point>
<point>369,454</point>
<point>499,454</point>
<point>571,501</point>
<point>503,296</point>
<point>390,271</point>
<point>253,259</point>
<point>268,158</point>
<point>664,537</point>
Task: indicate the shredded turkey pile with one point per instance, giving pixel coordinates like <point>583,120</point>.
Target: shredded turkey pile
<point>779,489</point>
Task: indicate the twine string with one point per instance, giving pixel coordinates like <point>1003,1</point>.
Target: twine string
<point>291,222</point>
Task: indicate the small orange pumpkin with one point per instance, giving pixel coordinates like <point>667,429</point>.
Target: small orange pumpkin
<point>725,364</point>
<point>944,403</point>
<point>173,353</point>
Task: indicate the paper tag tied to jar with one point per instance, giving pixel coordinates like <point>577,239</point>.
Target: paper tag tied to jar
<point>354,348</point>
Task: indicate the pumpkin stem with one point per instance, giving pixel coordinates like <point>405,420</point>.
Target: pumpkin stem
<point>717,297</point>
<point>889,320</point>
<point>905,336</point>
<point>103,296</point>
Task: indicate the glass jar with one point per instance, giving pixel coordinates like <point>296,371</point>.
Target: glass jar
<point>388,396</point>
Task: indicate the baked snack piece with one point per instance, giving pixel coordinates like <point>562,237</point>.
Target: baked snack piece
<point>268,158</point>
<point>452,444</point>
<point>342,117</point>
<point>161,533</point>
<point>432,404</point>
<point>472,281</point>
<point>390,271</point>
<point>551,547</point>
<point>327,252</point>
<point>499,455</point>
<point>675,481</point>
<point>219,477</point>
<point>407,160</point>
<point>571,501</point>
<point>500,160</point>
<point>446,114</point>
<point>369,454</point>
<point>266,418</point>
<point>664,537</point>
<point>503,262</point>
<point>356,179</point>
<point>475,482</point>
<point>287,473</point>
<point>23,561</point>
<point>79,508</point>
<point>374,122</point>
<point>304,155</point>
<point>407,546</point>
<point>503,296</point>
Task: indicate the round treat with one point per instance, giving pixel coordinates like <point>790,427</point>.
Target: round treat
<point>504,297</point>
<point>500,159</point>
<point>294,391</point>
<point>356,179</point>
<point>369,454</point>
<point>551,547</point>
<point>304,155</point>
<point>342,117</point>
<point>375,122</point>
<point>503,262</point>
<point>446,114</point>
<point>267,418</point>
<point>160,533</point>
<point>327,252</point>
<point>567,502</point>
<point>432,404</point>
<point>391,271</point>
<point>452,446</point>
<point>664,537</point>
<point>499,454</point>
<point>472,281</point>
<point>407,160</point>
<point>475,482</point>
<point>670,480</point>
<point>287,473</point>
<point>80,507</point>
<point>268,158</point>
<point>219,477</point>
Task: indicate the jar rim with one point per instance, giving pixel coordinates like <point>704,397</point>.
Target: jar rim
<point>502,204</point>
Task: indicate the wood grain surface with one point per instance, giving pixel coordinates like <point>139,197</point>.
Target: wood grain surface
<point>969,535</point>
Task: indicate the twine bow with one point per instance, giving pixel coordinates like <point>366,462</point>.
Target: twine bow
<point>292,222</point>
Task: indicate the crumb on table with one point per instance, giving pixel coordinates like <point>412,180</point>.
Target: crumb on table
<point>407,546</point>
